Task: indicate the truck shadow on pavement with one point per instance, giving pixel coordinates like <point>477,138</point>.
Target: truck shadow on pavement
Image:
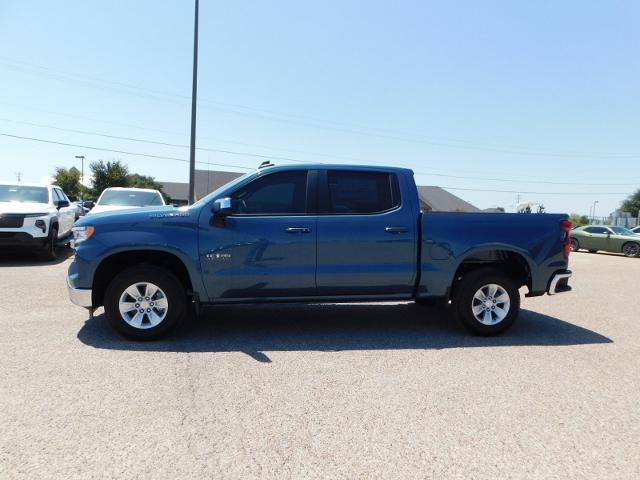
<point>256,329</point>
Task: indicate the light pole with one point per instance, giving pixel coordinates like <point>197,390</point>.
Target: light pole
<point>594,211</point>
<point>81,157</point>
<point>194,94</point>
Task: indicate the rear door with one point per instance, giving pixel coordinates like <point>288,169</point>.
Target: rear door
<point>267,246</point>
<point>366,235</point>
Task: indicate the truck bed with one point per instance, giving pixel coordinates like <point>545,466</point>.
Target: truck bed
<point>451,240</point>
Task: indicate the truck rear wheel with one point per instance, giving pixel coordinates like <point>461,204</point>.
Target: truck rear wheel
<point>144,302</point>
<point>487,301</point>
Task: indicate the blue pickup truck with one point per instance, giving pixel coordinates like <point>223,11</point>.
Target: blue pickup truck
<point>314,233</point>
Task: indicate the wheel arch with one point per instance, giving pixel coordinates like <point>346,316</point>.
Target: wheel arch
<point>116,262</point>
<point>514,263</point>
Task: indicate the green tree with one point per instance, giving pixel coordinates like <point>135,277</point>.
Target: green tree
<point>632,204</point>
<point>143,181</point>
<point>578,220</point>
<point>108,174</point>
<point>68,180</point>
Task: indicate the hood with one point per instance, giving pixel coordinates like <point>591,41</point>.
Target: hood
<point>23,207</point>
<point>135,214</point>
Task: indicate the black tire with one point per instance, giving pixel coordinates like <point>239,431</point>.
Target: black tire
<point>168,284</point>
<point>463,301</point>
<point>50,251</point>
<point>575,245</point>
<point>631,249</point>
<point>593,251</point>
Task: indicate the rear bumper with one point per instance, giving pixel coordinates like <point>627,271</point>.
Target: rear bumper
<point>559,282</point>
<point>80,296</point>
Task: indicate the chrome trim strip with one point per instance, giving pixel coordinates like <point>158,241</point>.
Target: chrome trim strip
<point>554,282</point>
<point>79,296</point>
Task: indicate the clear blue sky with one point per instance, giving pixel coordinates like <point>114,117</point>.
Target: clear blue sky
<point>527,92</point>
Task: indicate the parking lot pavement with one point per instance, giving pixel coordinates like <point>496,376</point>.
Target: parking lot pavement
<point>340,391</point>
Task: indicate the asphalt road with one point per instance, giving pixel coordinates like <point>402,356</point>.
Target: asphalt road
<point>340,391</point>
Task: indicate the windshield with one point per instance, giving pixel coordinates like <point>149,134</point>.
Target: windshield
<point>22,193</point>
<point>216,192</point>
<point>621,231</point>
<point>130,198</point>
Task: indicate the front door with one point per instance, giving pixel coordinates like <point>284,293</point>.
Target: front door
<point>66,215</point>
<point>366,235</point>
<point>596,238</point>
<point>267,245</point>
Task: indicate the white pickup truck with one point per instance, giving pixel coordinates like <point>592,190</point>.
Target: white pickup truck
<point>35,216</point>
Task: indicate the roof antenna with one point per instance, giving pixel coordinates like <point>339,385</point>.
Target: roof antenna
<point>266,163</point>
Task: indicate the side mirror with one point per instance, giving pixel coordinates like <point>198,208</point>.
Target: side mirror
<point>62,204</point>
<point>221,208</point>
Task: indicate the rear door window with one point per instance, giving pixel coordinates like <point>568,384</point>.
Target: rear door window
<point>361,192</point>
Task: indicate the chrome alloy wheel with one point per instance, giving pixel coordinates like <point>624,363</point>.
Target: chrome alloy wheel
<point>490,304</point>
<point>143,305</point>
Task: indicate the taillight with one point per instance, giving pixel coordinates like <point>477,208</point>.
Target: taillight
<point>565,225</point>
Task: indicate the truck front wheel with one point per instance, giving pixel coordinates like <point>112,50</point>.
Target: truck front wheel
<point>144,302</point>
<point>487,301</point>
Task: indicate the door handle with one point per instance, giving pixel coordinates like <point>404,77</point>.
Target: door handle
<point>396,229</point>
<point>297,230</point>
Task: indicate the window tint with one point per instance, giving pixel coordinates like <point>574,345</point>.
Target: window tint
<point>283,193</point>
<point>596,230</point>
<point>56,195</point>
<point>358,192</point>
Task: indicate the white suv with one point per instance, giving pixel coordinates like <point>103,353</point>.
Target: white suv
<point>35,216</point>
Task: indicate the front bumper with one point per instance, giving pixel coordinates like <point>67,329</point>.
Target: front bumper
<point>80,296</point>
<point>9,238</point>
<point>560,282</point>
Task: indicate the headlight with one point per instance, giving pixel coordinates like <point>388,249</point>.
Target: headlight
<point>80,234</point>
